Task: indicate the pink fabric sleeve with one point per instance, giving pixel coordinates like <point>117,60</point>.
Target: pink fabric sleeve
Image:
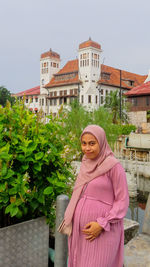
<point>121,197</point>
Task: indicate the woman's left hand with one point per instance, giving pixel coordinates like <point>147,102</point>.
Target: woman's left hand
<point>92,230</point>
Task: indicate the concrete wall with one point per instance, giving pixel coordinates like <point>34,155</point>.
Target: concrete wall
<point>137,118</point>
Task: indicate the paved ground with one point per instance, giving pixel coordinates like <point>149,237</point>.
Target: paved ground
<point>137,252</point>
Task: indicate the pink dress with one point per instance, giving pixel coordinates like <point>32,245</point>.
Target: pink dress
<point>105,200</point>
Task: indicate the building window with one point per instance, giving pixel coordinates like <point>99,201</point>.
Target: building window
<point>102,99</point>
<point>42,101</point>
<point>55,102</point>
<point>60,101</point>
<point>147,101</point>
<point>82,99</point>
<point>75,91</point>
<point>105,75</point>
<point>55,93</point>
<point>96,99</point>
<point>65,100</point>
<point>95,60</point>
<point>84,60</point>
<point>31,99</point>
<point>26,100</point>
<point>44,67</point>
<point>65,92</point>
<point>89,98</point>
<point>36,99</point>
<point>134,101</point>
<point>71,92</point>
<point>131,83</point>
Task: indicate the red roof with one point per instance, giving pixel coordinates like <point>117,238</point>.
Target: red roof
<point>89,43</point>
<point>61,78</point>
<point>70,66</point>
<point>67,75</point>
<point>50,54</point>
<point>128,79</point>
<point>32,91</point>
<point>143,89</point>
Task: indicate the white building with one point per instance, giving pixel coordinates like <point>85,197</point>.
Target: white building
<point>84,78</point>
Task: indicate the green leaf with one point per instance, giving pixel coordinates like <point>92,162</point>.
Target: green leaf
<point>34,204</point>
<point>25,210</point>
<point>2,187</point>
<point>4,170</point>
<point>19,214</point>
<point>14,211</point>
<point>32,146</point>
<point>8,208</point>
<point>12,191</point>
<point>37,167</point>
<point>48,190</point>
<point>41,199</point>
<point>5,199</point>
<point>9,174</point>
<point>4,155</point>
<point>24,167</point>
<point>20,157</point>
<point>39,155</point>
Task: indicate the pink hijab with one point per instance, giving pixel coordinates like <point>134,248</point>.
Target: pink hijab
<point>90,169</point>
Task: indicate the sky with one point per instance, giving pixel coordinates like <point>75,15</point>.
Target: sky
<point>31,27</point>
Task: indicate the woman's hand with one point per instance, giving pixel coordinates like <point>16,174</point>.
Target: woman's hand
<point>92,230</point>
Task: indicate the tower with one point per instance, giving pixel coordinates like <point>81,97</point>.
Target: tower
<point>89,72</point>
<point>49,65</point>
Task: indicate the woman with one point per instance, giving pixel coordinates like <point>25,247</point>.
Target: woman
<point>94,217</point>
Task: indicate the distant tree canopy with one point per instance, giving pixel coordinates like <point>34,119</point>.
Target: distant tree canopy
<point>4,96</point>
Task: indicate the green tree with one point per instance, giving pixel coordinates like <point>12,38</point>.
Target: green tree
<point>78,117</point>
<point>5,96</point>
<point>112,103</point>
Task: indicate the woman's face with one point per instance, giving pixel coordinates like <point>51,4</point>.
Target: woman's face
<point>90,146</point>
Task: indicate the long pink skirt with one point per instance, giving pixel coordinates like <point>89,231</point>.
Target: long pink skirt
<point>106,250</point>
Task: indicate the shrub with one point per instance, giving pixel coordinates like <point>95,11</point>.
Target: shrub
<point>33,165</point>
<point>77,118</point>
<point>126,129</point>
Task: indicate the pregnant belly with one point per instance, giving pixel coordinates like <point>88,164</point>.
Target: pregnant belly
<point>88,210</point>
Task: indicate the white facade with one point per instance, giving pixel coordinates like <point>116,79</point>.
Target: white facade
<point>89,73</point>
<point>36,103</point>
<point>49,65</point>
<point>61,99</point>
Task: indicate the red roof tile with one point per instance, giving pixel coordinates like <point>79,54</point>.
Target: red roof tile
<point>50,54</point>
<point>114,76</point>
<point>126,77</point>
<point>70,66</point>
<point>143,89</point>
<point>32,91</point>
<point>89,43</point>
<point>67,75</point>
